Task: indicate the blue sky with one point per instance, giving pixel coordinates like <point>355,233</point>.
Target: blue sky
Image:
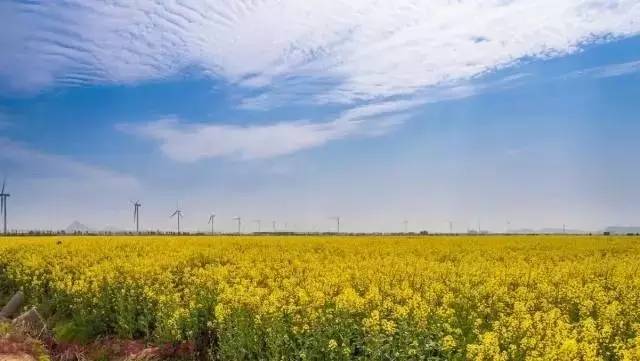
<point>295,112</point>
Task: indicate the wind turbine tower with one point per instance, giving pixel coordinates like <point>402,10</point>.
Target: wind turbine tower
<point>136,214</point>
<point>3,205</point>
<point>258,223</point>
<point>337,219</point>
<point>450,227</point>
<point>405,223</point>
<point>273,224</point>
<point>239,220</point>
<point>212,219</point>
<point>178,215</point>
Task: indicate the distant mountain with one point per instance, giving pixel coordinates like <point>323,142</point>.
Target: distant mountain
<point>622,229</point>
<point>77,227</point>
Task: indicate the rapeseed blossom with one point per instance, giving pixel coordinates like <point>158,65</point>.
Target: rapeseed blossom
<point>343,298</point>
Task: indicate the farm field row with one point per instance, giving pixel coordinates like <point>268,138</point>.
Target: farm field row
<point>340,297</point>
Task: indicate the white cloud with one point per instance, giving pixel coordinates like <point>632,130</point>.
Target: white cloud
<point>341,50</point>
<point>365,53</point>
<point>188,142</point>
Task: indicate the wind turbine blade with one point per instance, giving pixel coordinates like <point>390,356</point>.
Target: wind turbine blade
<point>174,213</point>
<point>4,182</point>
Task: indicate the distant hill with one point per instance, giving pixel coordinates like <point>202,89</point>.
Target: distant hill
<point>77,227</point>
<point>622,229</point>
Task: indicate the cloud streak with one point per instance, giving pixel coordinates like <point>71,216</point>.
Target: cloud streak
<point>190,142</point>
<point>29,163</point>
<point>607,71</point>
<point>51,190</point>
<point>344,51</point>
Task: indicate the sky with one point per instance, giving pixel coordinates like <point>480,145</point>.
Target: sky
<point>497,113</point>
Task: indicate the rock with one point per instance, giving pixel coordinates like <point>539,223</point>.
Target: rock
<point>12,307</point>
<point>32,324</point>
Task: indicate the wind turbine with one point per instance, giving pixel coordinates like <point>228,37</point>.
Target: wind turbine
<point>212,219</point>
<point>257,222</point>
<point>237,218</point>
<point>136,215</point>
<point>337,219</point>
<point>3,205</point>
<point>179,215</point>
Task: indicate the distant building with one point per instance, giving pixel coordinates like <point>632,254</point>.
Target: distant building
<point>623,230</point>
<point>474,231</point>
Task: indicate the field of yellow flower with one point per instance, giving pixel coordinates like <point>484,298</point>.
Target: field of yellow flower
<point>342,298</point>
